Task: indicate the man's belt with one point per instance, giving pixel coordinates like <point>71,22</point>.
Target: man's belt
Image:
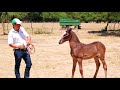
<point>20,49</point>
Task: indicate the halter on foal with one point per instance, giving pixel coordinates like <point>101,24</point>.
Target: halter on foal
<point>81,51</point>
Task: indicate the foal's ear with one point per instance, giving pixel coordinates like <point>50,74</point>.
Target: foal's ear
<point>69,29</point>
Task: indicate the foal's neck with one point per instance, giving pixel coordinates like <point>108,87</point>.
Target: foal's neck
<point>74,41</point>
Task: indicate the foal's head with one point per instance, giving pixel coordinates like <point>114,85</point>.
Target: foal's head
<point>66,36</point>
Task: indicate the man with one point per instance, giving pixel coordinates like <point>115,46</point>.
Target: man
<point>19,39</point>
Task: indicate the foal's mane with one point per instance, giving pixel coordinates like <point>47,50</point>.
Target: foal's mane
<point>74,36</point>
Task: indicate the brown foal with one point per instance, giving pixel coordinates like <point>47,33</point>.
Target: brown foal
<point>81,51</point>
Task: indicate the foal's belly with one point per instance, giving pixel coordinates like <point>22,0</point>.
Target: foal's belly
<point>89,56</point>
<point>86,55</point>
<point>89,52</point>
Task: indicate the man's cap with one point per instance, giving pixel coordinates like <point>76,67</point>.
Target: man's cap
<point>16,21</point>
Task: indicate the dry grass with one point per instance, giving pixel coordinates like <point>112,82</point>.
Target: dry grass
<point>54,61</point>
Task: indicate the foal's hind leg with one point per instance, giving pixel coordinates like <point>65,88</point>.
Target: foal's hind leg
<point>104,65</point>
<point>97,66</point>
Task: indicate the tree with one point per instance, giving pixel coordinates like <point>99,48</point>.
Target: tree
<point>3,20</point>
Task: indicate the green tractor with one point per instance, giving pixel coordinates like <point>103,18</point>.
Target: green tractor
<point>66,23</point>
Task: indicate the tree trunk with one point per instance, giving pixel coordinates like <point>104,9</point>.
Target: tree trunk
<point>106,26</point>
<point>118,26</point>
<point>3,26</point>
<point>7,27</point>
<point>32,28</point>
<point>114,26</point>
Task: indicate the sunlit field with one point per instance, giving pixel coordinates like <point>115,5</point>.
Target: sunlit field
<point>52,60</point>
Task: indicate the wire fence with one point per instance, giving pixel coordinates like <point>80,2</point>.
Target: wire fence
<point>34,28</point>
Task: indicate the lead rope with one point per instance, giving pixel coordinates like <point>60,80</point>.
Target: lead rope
<point>31,50</point>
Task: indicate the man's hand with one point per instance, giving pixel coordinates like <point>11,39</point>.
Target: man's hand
<point>28,43</point>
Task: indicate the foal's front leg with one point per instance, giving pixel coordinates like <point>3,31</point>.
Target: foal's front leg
<point>74,67</point>
<point>80,67</point>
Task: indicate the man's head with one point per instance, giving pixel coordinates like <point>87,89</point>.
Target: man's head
<point>16,23</point>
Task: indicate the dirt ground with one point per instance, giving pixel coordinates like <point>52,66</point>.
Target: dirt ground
<point>52,60</point>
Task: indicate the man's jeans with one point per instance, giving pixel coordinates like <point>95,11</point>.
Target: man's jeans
<point>19,54</point>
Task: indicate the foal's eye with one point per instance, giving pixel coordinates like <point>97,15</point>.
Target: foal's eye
<point>64,35</point>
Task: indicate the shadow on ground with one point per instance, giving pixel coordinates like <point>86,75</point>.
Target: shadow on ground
<point>106,33</point>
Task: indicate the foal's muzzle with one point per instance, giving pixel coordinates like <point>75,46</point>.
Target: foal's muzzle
<point>59,41</point>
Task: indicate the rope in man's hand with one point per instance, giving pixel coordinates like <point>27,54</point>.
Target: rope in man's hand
<point>31,49</point>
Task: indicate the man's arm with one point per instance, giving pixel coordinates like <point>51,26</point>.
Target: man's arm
<point>28,40</point>
<point>17,46</point>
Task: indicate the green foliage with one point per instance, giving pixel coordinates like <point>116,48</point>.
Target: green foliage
<point>19,15</point>
<point>55,16</point>
<point>33,16</point>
